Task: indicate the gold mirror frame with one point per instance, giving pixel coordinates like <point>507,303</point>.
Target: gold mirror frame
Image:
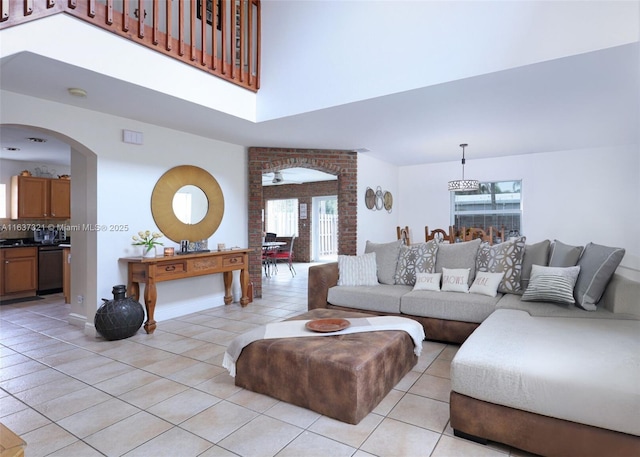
<point>162,203</point>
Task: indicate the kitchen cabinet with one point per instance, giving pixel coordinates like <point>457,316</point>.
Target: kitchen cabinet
<point>33,197</point>
<point>19,271</point>
<point>60,198</point>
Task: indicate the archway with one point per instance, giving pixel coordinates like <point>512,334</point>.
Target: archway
<point>342,164</point>
<point>84,267</point>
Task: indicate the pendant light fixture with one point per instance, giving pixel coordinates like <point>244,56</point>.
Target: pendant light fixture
<point>463,185</point>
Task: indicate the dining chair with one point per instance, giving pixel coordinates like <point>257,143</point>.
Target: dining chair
<point>403,234</point>
<point>284,255</point>
<point>439,235</point>
<point>267,261</point>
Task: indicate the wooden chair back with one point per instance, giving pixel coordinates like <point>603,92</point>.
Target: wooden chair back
<point>496,235</point>
<point>472,233</point>
<point>439,235</point>
<point>403,234</point>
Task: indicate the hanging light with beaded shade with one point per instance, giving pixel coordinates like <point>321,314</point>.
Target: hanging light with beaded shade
<point>463,185</point>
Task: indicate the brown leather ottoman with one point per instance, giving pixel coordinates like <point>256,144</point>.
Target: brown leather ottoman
<point>342,376</point>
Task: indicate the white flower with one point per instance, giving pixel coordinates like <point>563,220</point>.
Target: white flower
<point>147,238</point>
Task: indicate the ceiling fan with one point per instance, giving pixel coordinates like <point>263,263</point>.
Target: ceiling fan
<point>279,178</point>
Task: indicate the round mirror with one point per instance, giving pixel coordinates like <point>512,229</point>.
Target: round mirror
<point>205,216</point>
<point>190,204</point>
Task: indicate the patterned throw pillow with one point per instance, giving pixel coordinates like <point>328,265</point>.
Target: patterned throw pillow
<point>357,270</point>
<point>417,258</point>
<point>503,258</point>
<point>553,284</point>
<point>427,281</point>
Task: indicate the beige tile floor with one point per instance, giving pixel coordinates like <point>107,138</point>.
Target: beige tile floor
<point>167,394</point>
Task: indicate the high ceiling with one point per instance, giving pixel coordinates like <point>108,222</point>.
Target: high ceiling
<point>582,101</point>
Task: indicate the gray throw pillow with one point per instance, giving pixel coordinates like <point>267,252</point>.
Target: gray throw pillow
<point>386,259</point>
<point>564,255</point>
<point>503,258</point>
<point>534,254</point>
<point>417,258</point>
<point>458,255</point>
<point>597,265</point>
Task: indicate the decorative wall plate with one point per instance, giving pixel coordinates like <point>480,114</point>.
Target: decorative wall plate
<point>369,198</point>
<point>388,201</point>
<point>379,198</point>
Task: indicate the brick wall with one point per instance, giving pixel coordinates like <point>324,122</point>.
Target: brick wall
<point>343,164</point>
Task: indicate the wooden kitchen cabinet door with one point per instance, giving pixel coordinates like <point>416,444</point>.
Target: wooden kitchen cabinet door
<point>19,270</point>
<point>31,196</point>
<point>60,196</point>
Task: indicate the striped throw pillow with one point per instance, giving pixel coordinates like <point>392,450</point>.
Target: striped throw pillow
<point>552,284</point>
<point>357,270</point>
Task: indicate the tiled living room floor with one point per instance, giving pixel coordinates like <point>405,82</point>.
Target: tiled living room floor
<point>167,394</point>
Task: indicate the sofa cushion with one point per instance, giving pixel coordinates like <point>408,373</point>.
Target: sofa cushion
<point>486,283</point>
<point>448,305</point>
<point>551,309</point>
<point>554,284</point>
<point>539,364</point>
<point>503,258</point>
<point>381,298</point>
<point>597,265</point>
<point>534,254</point>
<point>458,255</point>
<point>564,255</point>
<point>417,258</point>
<point>455,280</point>
<point>427,281</point>
<point>386,259</point>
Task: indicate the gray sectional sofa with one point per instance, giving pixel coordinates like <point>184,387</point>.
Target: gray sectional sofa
<point>548,377</point>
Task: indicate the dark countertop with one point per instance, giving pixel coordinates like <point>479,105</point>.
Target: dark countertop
<point>28,242</point>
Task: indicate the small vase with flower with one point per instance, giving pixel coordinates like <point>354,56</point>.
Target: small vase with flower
<point>148,241</point>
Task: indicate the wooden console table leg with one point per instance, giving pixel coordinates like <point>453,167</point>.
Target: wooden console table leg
<point>244,286</point>
<point>150,296</point>
<point>228,281</point>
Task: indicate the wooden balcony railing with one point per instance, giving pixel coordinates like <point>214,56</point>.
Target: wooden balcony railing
<point>226,44</point>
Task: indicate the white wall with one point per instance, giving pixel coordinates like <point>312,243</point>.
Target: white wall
<point>580,196</point>
<point>317,54</point>
<point>376,226</point>
<point>125,177</point>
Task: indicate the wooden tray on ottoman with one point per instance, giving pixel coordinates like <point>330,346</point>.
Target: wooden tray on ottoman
<point>341,376</point>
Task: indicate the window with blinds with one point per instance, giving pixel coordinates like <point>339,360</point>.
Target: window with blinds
<point>496,204</point>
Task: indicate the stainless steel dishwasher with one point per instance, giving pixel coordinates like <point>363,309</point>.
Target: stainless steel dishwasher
<point>49,269</point>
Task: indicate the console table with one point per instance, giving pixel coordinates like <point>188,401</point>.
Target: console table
<point>150,271</point>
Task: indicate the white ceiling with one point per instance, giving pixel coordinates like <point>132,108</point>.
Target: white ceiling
<point>582,101</point>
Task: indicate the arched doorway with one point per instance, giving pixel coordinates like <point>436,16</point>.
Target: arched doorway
<point>84,266</point>
<point>342,164</point>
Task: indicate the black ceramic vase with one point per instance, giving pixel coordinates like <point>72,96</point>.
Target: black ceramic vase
<point>119,318</point>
